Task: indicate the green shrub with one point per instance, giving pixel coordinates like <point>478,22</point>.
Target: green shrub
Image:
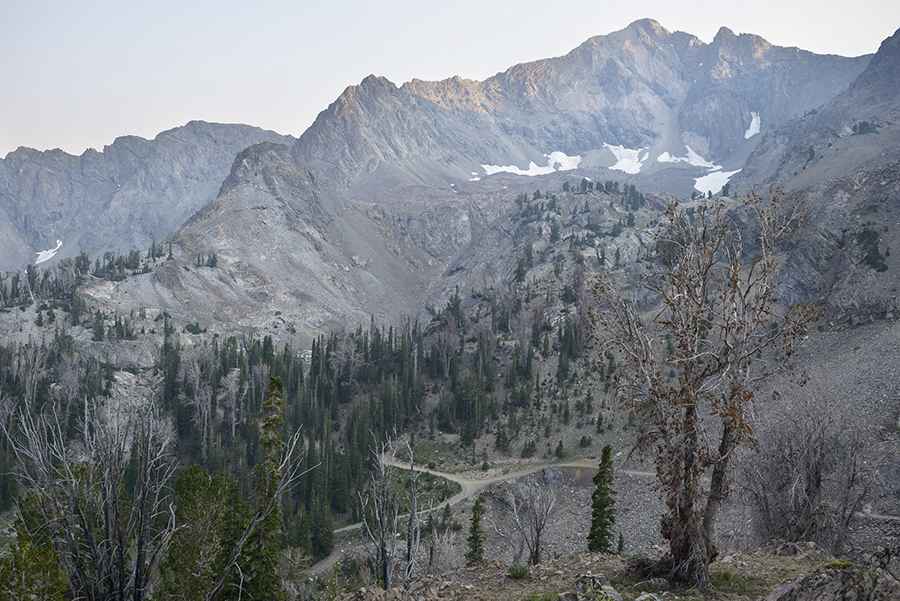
<point>518,571</point>
<point>728,581</point>
<point>838,564</point>
<point>867,239</point>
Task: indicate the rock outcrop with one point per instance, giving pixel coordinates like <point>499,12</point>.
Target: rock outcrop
<point>840,581</point>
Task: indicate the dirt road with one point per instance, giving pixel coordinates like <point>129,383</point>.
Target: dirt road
<point>470,486</point>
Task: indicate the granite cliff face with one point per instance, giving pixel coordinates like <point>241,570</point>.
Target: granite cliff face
<point>132,192</point>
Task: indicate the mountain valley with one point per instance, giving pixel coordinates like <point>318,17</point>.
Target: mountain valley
<point>435,273</point>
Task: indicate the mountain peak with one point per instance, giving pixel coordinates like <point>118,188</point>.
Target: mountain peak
<point>651,26</point>
<point>890,46</point>
<point>881,78</point>
<point>371,80</point>
<point>724,34</point>
<point>370,84</point>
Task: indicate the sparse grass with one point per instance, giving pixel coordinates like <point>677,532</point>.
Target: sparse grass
<point>543,597</point>
<point>434,452</point>
<point>753,578</point>
<point>838,564</point>
<point>433,490</point>
<point>727,581</point>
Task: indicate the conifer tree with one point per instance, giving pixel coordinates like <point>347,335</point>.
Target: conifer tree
<point>475,540</point>
<point>30,568</point>
<point>261,553</point>
<point>210,515</point>
<point>602,504</point>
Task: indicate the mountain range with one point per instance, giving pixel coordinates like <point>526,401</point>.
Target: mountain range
<point>371,209</point>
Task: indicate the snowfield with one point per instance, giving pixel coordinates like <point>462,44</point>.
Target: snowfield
<point>629,160</point>
<point>713,181</point>
<point>556,161</point>
<point>692,158</point>
<point>755,124</point>
<point>45,255</point>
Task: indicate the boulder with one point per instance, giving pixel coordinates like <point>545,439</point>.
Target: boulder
<point>840,581</point>
<point>608,593</point>
<point>590,583</point>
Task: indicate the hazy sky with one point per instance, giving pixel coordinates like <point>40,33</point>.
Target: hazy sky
<point>76,74</point>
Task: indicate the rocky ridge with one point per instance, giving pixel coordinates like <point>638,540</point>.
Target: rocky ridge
<point>123,197</point>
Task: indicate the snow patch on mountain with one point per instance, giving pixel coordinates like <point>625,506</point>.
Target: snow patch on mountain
<point>755,124</point>
<point>556,161</point>
<point>692,158</point>
<point>629,160</point>
<point>714,181</point>
<point>45,255</point>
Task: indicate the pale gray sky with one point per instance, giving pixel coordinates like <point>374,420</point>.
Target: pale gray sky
<point>78,74</point>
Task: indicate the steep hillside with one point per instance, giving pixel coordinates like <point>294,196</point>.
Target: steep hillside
<point>132,192</point>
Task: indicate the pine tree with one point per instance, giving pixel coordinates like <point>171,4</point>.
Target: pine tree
<point>560,450</point>
<point>321,532</point>
<point>475,540</point>
<point>261,553</point>
<point>502,441</point>
<point>602,504</point>
<point>98,327</point>
<point>210,515</point>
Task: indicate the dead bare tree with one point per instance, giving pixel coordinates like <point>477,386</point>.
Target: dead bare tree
<point>380,508</point>
<point>808,477</point>
<point>108,531</point>
<point>443,552</point>
<point>202,403</point>
<point>691,369</point>
<point>528,505</point>
<point>413,528</point>
<point>381,518</point>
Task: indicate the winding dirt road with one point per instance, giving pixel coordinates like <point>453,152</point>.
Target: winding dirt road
<point>469,487</point>
<point>472,486</point>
